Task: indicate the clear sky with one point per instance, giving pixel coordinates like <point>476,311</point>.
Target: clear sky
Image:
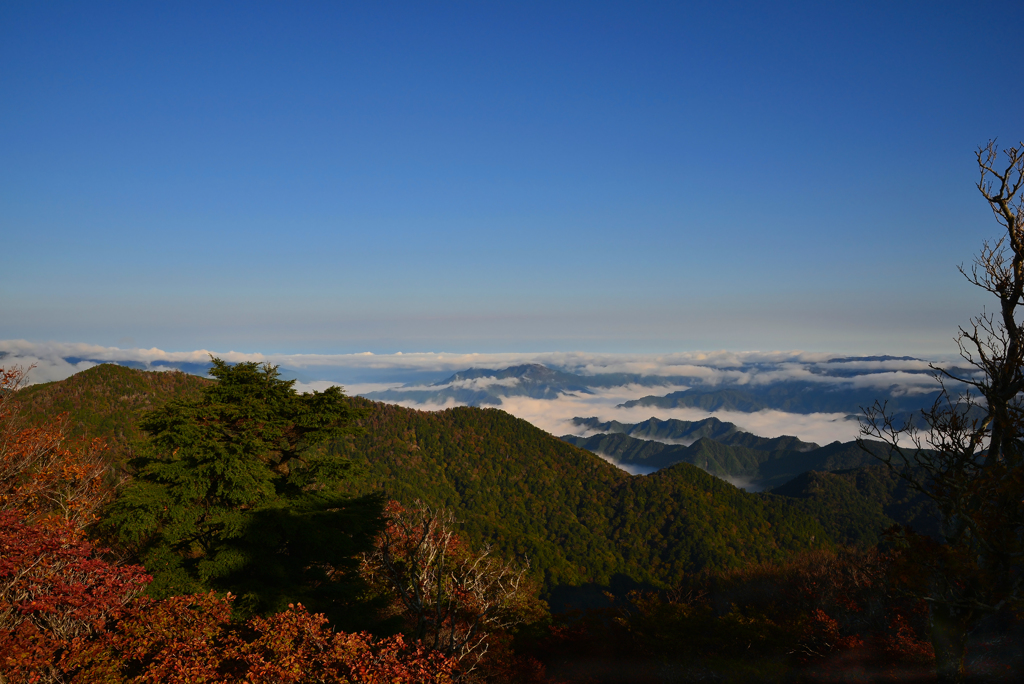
<point>482,176</point>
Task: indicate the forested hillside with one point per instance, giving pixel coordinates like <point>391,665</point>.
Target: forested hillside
<point>106,401</point>
<point>841,485</point>
<point>583,524</point>
<point>684,432</point>
<point>757,460</point>
<point>577,518</point>
<point>855,505</point>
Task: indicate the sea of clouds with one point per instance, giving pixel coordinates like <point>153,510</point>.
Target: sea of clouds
<point>366,372</point>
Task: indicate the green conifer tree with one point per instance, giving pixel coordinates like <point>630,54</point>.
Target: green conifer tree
<point>232,495</point>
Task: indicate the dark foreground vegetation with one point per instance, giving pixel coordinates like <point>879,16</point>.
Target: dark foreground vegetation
<point>163,528</point>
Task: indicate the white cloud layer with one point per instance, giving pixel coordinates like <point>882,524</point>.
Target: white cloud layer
<point>474,383</point>
<point>630,468</point>
<point>45,369</point>
<point>710,368</point>
<point>555,415</point>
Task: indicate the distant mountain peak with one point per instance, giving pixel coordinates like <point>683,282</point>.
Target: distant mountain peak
<point>855,359</point>
<point>529,371</point>
<point>487,386</point>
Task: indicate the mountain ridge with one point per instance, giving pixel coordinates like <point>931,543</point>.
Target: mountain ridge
<point>758,468</point>
<point>789,396</point>
<point>531,496</point>
<point>684,432</point>
<point>471,387</point>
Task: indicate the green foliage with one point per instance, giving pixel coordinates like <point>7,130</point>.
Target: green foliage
<point>230,496</point>
<point>726,452</point>
<point>106,401</point>
<point>689,431</point>
<point>857,505</point>
<point>577,518</point>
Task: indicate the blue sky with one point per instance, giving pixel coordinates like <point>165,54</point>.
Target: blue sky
<point>613,177</point>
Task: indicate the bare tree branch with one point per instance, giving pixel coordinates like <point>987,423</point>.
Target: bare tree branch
<point>966,452</point>
<point>452,598</point>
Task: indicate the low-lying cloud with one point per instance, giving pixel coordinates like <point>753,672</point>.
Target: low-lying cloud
<point>45,369</point>
<point>630,468</point>
<point>555,415</point>
<point>471,384</point>
<point>710,367</point>
<point>367,372</point>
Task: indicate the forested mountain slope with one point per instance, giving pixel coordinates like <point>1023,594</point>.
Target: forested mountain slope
<point>576,517</point>
<point>685,432</point>
<point>845,488</point>
<point>106,401</point>
<point>762,465</point>
<point>856,505</point>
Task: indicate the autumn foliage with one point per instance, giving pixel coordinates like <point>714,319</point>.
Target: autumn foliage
<point>56,589</point>
<point>69,613</point>
<point>191,639</point>
<point>41,474</point>
<point>56,592</point>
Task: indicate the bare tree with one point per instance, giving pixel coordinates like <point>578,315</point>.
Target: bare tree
<point>966,451</point>
<point>452,598</point>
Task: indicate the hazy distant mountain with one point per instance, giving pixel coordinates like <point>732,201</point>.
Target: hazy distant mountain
<point>487,387</point>
<point>839,385</point>
<point>790,396</point>
<point>630,450</point>
<point>720,449</point>
<point>688,431</point>
<point>190,367</point>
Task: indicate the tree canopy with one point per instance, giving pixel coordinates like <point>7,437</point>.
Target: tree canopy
<point>229,496</point>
